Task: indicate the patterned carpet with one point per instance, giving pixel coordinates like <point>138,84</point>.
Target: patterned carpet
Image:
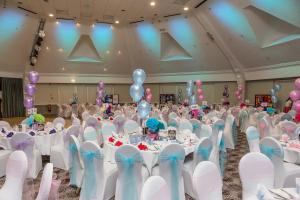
<point>232,189</point>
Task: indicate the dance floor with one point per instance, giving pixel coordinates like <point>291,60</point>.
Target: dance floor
<point>232,188</point>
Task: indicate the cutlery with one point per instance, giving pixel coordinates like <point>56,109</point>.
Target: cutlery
<point>286,192</point>
<point>277,195</point>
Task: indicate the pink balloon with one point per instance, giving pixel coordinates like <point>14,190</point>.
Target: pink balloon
<point>198,83</point>
<point>33,76</point>
<point>100,93</point>
<point>237,93</point>
<point>199,91</point>
<point>297,106</point>
<point>239,97</point>
<point>148,91</point>
<point>99,101</point>
<point>295,95</point>
<point>240,88</point>
<point>100,85</point>
<point>297,83</point>
<point>201,97</point>
<point>149,97</point>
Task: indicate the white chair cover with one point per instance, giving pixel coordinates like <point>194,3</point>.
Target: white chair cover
<point>46,182</point>
<point>59,123</point>
<point>255,168</point>
<point>85,115</point>
<point>90,134</point>
<point>196,127</point>
<point>206,131</point>
<point>244,120</point>
<point>170,168</point>
<point>99,179</point>
<point>131,127</point>
<point>185,124</point>
<point>207,182</point>
<point>253,139</point>
<point>289,128</point>
<point>26,143</point>
<point>16,171</point>
<point>201,153</point>
<point>173,122</point>
<point>172,115</point>
<point>108,128</point>
<point>155,188</point>
<point>228,132</point>
<point>5,125</point>
<point>131,174</point>
<point>119,121</point>
<point>75,162</point>
<point>264,127</point>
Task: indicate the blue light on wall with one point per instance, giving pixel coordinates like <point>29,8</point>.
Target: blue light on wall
<point>67,34</point>
<point>234,19</point>
<point>150,37</point>
<point>10,21</point>
<point>102,36</point>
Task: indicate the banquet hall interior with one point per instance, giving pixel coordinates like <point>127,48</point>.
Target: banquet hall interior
<point>149,99</point>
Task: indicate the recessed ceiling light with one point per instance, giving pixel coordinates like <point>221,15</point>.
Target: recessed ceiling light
<point>186,8</point>
<point>47,48</point>
<point>63,68</point>
<point>77,24</point>
<point>51,15</point>
<point>119,52</point>
<point>105,69</point>
<point>73,80</point>
<point>93,25</point>
<point>60,49</point>
<point>152,3</point>
<point>107,52</point>
<point>57,22</point>
<point>117,22</point>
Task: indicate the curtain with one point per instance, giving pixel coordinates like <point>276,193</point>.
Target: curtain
<point>12,96</point>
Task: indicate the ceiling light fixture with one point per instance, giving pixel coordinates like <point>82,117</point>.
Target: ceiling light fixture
<point>63,69</point>
<point>117,22</point>
<point>73,80</point>
<point>186,8</point>
<point>57,22</point>
<point>60,49</point>
<point>152,3</point>
<point>77,24</point>
<point>93,25</point>
<point>105,69</point>
<point>47,48</point>
<point>51,15</point>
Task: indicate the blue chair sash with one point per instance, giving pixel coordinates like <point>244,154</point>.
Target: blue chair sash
<point>222,155</point>
<point>234,132</point>
<point>271,151</point>
<point>195,127</point>
<point>129,190</point>
<point>173,159</point>
<point>204,152</point>
<point>253,136</point>
<point>89,187</point>
<point>73,168</point>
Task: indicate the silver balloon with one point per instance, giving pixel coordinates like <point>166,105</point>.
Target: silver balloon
<point>143,109</point>
<point>274,99</point>
<point>277,87</point>
<point>139,76</point>
<point>273,92</point>
<point>193,100</point>
<point>189,91</point>
<point>136,92</point>
<point>190,83</point>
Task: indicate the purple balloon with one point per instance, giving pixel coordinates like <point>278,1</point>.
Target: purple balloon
<point>30,89</point>
<point>28,102</point>
<point>100,93</point>
<point>297,83</point>
<point>100,85</point>
<point>295,95</point>
<point>33,77</point>
<point>99,101</point>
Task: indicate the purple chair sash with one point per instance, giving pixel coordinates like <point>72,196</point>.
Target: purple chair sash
<point>22,145</point>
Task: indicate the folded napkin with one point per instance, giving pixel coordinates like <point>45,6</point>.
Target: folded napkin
<point>263,193</point>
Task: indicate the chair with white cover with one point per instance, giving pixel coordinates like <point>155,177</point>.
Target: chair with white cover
<point>75,162</point>
<point>59,153</point>
<point>289,128</point>
<point>170,166</point>
<point>206,131</point>
<point>155,188</point>
<point>244,120</point>
<point>59,123</point>
<point>16,171</point>
<point>254,169</point>
<point>273,149</point>
<point>201,153</point>
<point>286,117</point>
<point>4,154</point>
<point>253,139</point>
<point>96,124</point>
<point>207,182</point>
<point>119,121</point>
<point>185,124</point>
<point>46,182</point>
<point>99,179</point>
<point>26,143</point>
<point>131,126</point>
<point>5,126</point>
<point>228,132</point>
<point>264,127</point>
<point>108,128</point>
<point>173,122</point>
<point>90,134</point>
<point>85,115</point>
<point>196,127</point>
<point>132,174</point>
<point>172,115</point>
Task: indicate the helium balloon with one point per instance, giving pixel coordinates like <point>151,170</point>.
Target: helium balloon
<point>149,97</point>
<point>100,93</point>
<point>273,92</point>
<point>198,83</point>
<point>240,88</point>
<point>237,93</point>
<point>28,102</point>
<point>189,91</point>
<point>100,85</point>
<point>200,91</point>
<point>30,89</point>
<point>296,106</point>
<point>193,100</point>
<point>277,87</point>
<point>190,84</point>
<point>136,92</point>
<point>139,76</point>
<point>201,97</point>
<point>148,91</point>
<point>143,109</point>
<point>295,95</point>
<point>99,101</point>
<point>33,77</point>
<point>297,83</point>
<point>274,99</point>
<point>239,97</point>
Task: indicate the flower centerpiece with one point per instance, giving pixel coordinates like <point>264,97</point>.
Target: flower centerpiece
<point>154,126</point>
<point>36,122</point>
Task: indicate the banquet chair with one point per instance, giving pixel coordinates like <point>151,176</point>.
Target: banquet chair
<point>16,171</point>
<point>170,165</point>
<point>59,153</point>
<point>75,163</point>
<point>59,123</point>
<point>119,121</point>
<point>96,124</point>
<point>292,113</point>
<point>172,115</point>
<point>289,128</point>
<point>173,122</point>
<point>108,128</point>
<point>228,132</point>
<point>85,115</point>
<point>90,134</point>
<point>254,169</point>
<point>201,153</point>
<point>131,126</point>
<point>252,117</point>
<point>99,179</point>
<point>244,120</point>
<point>4,155</point>
<point>46,181</point>
<point>196,127</point>
<point>155,188</point>
<point>264,127</point>
<point>286,117</point>
<point>5,126</point>
<point>207,182</point>
<point>26,143</point>
<point>253,139</point>
<point>273,149</point>
<point>185,124</point>
<point>131,173</point>
<point>164,123</point>
<point>206,131</point>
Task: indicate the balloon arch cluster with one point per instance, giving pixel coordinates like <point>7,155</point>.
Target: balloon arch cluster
<point>190,92</point>
<point>30,89</point>
<point>137,93</point>
<point>295,96</point>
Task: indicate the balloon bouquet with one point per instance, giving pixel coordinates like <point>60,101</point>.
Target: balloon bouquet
<point>100,93</point>
<point>190,91</point>
<point>295,97</point>
<point>137,94</point>
<point>274,93</point>
<point>238,93</point>
<point>30,89</point>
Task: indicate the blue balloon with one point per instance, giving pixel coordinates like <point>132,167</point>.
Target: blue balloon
<point>277,87</point>
<point>273,92</point>
<point>143,109</point>
<point>193,100</point>
<point>189,91</point>
<point>136,92</point>
<point>139,76</point>
<point>190,83</point>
